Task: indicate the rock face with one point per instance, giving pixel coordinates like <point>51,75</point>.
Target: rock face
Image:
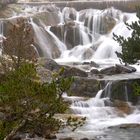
<point>72,71</point>
<point>84,87</point>
<point>122,106</point>
<point>124,90</point>
<point>117,69</point>
<point>68,33</point>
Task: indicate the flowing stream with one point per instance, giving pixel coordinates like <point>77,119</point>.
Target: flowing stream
<point>79,36</point>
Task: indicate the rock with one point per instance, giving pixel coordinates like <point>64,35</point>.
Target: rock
<point>48,18</point>
<point>84,139</point>
<point>93,64</point>
<point>68,138</point>
<point>122,106</point>
<point>72,71</point>
<point>94,71</point>
<point>49,64</point>
<point>126,126</point>
<point>88,54</point>
<point>69,14</point>
<point>123,90</point>
<point>71,31</point>
<point>108,71</point>
<point>124,69</point>
<point>106,23</point>
<point>117,69</point>
<point>51,136</point>
<point>86,87</point>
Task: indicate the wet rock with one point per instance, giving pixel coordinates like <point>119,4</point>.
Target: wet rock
<point>69,14</point>
<point>126,126</point>
<point>69,33</point>
<point>51,136</point>
<point>108,71</point>
<point>83,86</point>
<point>123,90</point>
<point>122,106</point>
<point>88,54</point>
<point>72,71</point>
<point>49,64</point>
<point>84,139</point>
<point>48,18</point>
<point>124,69</point>
<point>117,69</point>
<point>93,64</point>
<point>68,138</point>
<point>94,71</point>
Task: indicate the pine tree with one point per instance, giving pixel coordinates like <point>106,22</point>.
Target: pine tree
<point>130,46</point>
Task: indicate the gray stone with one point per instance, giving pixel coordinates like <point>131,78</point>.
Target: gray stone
<point>108,71</point>
<point>72,71</point>
<point>86,87</point>
<point>49,64</point>
<point>68,138</point>
<point>124,69</point>
<point>94,71</point>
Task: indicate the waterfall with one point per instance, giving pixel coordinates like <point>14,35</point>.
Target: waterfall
<point>99,116</point>
<point>41,39</point>
<point>77,34</point>
<point>62,47</point>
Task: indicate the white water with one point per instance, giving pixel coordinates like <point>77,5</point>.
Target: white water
<point>41,39</point>
<point>100,116</point>
<point>62,47</point>
<point>103,49</point>
<point>90,24</point>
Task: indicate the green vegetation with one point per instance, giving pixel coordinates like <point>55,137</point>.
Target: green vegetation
<point>24,99</point>
<point>26,104</point>
<point>131,45</point>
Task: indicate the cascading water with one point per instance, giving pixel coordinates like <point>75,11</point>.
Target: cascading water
<point>84,35</point>
<point>99,116</point>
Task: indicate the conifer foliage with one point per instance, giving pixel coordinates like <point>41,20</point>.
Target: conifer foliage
<point>26,104</point>
<point>130,46</point>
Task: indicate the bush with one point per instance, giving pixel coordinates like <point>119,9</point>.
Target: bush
<point>27,104</point>
<point>24,99</point>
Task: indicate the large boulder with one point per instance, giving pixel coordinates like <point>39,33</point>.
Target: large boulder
<point>48,18</point>
<point>117,69</point>
<point>73,71</point>
<point>49,64</point>
<point>69,33</point>
<point>86,87</point>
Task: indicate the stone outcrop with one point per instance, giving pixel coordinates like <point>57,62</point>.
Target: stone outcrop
<point>113,70</point>
<point>71,31</point>
<point>123,90</point>
<point>83,86</point>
